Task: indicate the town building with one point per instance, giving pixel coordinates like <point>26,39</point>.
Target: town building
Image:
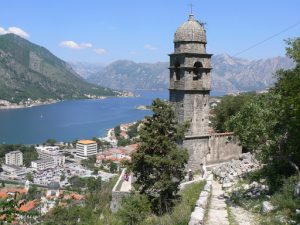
<point>51,151</point>
<point>43,164</point>
<point>14,158</point>
<point>13,170</point>
<point>86,148</point>
<point>190,86</point>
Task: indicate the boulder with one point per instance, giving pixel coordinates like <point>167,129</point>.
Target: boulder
<point>227,185</point>
<point>267,207</point>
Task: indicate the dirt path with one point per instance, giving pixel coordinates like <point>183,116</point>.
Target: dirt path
<point>242,216</point>
<point>217,214</point>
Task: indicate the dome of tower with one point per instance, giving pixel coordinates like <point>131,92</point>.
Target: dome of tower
<point>191,30</point>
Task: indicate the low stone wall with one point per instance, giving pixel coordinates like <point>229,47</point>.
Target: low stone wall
<point>222,148</point>
<point>197,216</point>
<point>117,194</point>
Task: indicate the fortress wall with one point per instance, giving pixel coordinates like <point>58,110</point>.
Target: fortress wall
<point>223,147</point>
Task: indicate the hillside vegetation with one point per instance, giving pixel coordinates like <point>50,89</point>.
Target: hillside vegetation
<point>31,71</point>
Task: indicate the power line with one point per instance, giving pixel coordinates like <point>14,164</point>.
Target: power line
<point>267,39</point>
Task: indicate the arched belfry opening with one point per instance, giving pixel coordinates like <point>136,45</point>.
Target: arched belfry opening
<point>177,71</point>
<point>197,73</point>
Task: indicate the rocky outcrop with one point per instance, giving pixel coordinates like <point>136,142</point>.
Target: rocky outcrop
<point>228,172</point>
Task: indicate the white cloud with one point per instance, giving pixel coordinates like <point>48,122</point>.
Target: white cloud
<point>100,51</point>
<point>2,31</point>
<point>74,45</point>
<point>150,47</point>
<point>14,30</point>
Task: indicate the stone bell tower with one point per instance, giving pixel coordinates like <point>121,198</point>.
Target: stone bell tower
<point>190,85</point>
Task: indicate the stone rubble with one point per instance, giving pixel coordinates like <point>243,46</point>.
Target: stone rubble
<point>228,172</point>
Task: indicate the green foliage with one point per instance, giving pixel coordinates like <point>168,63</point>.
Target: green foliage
<point>227,108</point>
<point>182,209</point>
<point>51,78</point>
<point>123,142</point>
<point>94,211</point>
<point>9,209</point>
<point>29,177</point>
<point>89,162</point>
<point>117,130</point>
<point>135,208</point>
<point>159,163</point>
<point>50,142</point>
<point>133,130</point>
<point>77,182</point>
<point>29,153</point>
<point>94,184</point>
<point>269,124</point>
<point>113,167</point>
<point>102,144</point>
<point>33,193</point>
<point>284,198</point>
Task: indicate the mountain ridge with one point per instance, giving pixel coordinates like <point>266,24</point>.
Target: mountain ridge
<point>229,74</point>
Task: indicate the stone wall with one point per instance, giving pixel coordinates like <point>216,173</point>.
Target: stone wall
<point>223,147</point>
<point>198,149</point>
<point>117,195</point>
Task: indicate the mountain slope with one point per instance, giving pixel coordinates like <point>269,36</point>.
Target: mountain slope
<point>31,71</point>
<point>229,74</point>
<point>128,75</point>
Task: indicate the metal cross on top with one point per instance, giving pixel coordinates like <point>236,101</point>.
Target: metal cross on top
<point>191,5</point>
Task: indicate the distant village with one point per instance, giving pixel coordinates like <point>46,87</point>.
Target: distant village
<point>59,163</point>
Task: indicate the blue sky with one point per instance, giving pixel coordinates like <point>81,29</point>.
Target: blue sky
<point>142,30</point>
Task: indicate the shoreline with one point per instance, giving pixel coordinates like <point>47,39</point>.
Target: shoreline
<point>23,106</point>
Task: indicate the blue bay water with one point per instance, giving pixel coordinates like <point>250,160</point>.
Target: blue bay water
<point>70,120</point>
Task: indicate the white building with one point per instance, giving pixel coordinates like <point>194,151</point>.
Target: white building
<point>86,148</point>
<point>51,151</point>
<point>43,164</point>
<point>14,158</point>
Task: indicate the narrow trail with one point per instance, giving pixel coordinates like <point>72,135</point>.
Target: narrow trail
<point>217,214</point>
<point>243,217</point>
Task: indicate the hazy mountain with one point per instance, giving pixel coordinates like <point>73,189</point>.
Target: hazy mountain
<point>230,74</point>
<point>85,69</point>
<point>31,71</point>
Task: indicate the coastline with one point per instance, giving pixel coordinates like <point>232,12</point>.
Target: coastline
<point>29,105</point>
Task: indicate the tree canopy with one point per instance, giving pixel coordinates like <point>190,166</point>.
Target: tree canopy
<point>159,163</point>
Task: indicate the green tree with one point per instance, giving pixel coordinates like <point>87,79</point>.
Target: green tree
<point>89,162</point>
<point>62,177</point>
<point>50,142</point>
<point>227,108</point>
<point>123,142</point>
<point>269,124</point>
<point>33,193</point>
<point>113,167</point>
<point>117,130</point>
<point>159,163</point>
<point>135,208</point>
<point>29,177</point>
<point>29,154</point>
<point>94,184</point>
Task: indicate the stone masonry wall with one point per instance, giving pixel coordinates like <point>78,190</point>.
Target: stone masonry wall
<point>223,147</point>
<point>198,149</point>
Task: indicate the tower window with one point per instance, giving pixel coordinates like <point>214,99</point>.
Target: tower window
<point>197,70</point>
<point>177,71</point>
